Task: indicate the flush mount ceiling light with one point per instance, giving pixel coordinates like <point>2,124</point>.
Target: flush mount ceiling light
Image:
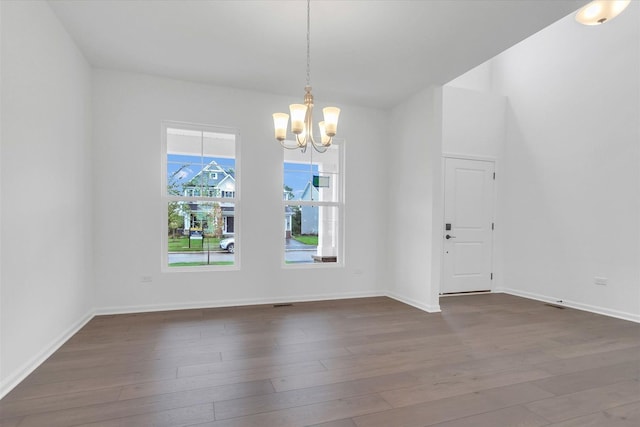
<point>600,11</point>
<point>302,115</point>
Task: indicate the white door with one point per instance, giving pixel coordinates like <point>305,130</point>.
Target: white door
<point>468,225</point>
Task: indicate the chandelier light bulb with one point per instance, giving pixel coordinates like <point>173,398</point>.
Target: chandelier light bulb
<point>280,122</point>
<point>298,112</point>
<point>331,115</point>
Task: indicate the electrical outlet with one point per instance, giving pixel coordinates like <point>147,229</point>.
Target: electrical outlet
<point>146,279</point>
<point>600,281</point>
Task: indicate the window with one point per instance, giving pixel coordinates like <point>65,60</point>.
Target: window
<point>313,206</point>
<point>200,192</point>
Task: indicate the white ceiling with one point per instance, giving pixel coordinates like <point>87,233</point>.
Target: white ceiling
<point>372,53</point>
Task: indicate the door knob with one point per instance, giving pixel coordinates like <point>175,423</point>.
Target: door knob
<point>448,236</point>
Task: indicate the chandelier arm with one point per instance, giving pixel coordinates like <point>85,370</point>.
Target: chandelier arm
<point>302,143</point>
<point>320,148</point>
<point>288,147</point>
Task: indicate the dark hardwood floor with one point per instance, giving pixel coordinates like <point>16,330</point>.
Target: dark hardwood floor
<point>487,360</point>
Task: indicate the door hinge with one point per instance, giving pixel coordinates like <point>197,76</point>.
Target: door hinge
<point>491,276</point>
<point>494,175</point>
<point>493,226</point>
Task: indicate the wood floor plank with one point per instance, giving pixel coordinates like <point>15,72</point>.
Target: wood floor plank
<point>171,418</point>
<point>218,379</point>
<point>288,399</point>
<point>560,408</point>
<point>591,361</point>
<point>514,416</point>
<point>621,416</point>
<point>486,360</point>
<point>458,385</point>
<point>339,423</point>
<point>92,383</point>
<point>592,378</point>
<point>272,360</point>
<point>21,407</point>
<point>442,410</point>
<point>309,414</point>
<point>292,382</point>
<point>142,406</point>
<point>10,422</point>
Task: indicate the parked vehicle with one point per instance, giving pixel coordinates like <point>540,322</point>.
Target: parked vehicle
<point>228,244</point>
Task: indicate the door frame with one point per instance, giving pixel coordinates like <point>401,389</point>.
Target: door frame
<point>491,159</point>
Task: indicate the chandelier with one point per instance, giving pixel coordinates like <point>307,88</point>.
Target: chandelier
<point>302,115</point>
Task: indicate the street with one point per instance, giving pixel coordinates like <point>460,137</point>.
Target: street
<point>295,252</point>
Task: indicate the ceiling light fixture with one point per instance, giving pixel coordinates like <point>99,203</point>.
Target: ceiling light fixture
<point>302,115</point>
<point>600,11</point>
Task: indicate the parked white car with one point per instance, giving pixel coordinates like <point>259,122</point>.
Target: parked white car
<point>228,244</point>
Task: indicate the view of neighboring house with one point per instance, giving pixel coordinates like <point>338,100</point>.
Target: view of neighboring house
<point>215,181</point>
<point>211,181</point>
<point>288,215</point>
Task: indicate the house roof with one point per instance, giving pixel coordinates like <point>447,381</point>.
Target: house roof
<point>205,177</point>
<point>309,188</point>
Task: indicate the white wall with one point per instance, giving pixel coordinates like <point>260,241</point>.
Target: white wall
<point>128,109</point>
<point>415,218</point>
<point>46,194</point>
<point>571,191</point>
<point>473,123</point>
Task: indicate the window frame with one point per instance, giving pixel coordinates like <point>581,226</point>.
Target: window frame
<point>339,204</point>
<point>167,198</point>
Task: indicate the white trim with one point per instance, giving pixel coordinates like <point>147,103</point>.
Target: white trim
<point>414,303</point>
<point>236,302</point>
<point>166,198</point>
<point>469,157</point>
<point>572,304</point>
<point>340,204</point>
<point>31,365</point>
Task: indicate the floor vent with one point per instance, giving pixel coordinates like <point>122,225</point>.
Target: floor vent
<point>282,305</point>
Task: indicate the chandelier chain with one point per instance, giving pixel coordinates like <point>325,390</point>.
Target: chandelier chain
<point>308,42</point>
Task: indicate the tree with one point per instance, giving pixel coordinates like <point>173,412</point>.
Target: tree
<point>177,211</point>
<point>288,193</point>
<point>296,221</point>
<point>174,186</point>
<point>215,219</point>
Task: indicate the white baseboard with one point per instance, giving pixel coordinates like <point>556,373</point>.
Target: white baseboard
<point>414,303</point>
<point>572,304</point>
<point>234,302</point>
<point>28,367</point>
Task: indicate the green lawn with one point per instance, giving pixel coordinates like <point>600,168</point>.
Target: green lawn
<point>181,244</point>
<point>190,264</point>
<point>307,239</point>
